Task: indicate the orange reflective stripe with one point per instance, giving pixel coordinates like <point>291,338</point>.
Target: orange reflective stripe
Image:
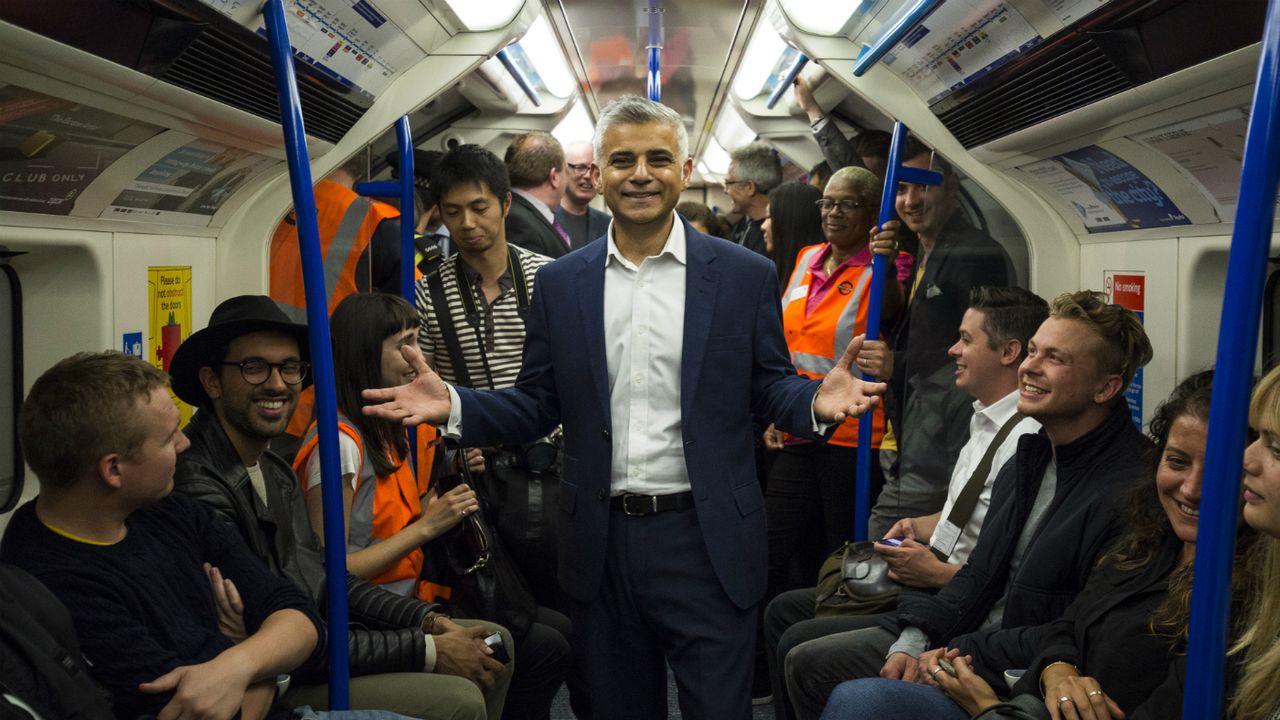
<point>817,339</point>
<point>396,503</point>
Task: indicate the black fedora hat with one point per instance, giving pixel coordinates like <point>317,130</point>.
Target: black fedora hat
<point>237,316</point>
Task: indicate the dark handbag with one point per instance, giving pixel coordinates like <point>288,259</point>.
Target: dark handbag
<point>471,560</point>
<point>854,580</point>
<point>524,503</point>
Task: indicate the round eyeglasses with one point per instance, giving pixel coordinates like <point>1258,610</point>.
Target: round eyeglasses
<point>846,206</point>
<point>256,372</point>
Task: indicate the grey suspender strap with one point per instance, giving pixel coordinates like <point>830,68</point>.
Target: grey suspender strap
<point>968,500</point>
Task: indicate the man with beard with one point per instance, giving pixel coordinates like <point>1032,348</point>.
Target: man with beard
<point>244,371</point>
<point>575,214</point>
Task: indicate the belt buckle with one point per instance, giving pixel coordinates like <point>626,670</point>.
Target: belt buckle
<point>626,505</point>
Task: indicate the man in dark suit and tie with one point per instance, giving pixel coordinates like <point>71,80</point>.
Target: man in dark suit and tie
<point>536,164</point>
<point>654,345</point>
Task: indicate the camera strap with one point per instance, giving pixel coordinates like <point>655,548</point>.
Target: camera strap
<point>435,286</point>
<point>967,501</point>
<point>469,292</point>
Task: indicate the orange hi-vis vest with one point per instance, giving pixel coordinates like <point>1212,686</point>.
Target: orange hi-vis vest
<point>346,223</point>
<point>818,339</point>
<point>395,503</point>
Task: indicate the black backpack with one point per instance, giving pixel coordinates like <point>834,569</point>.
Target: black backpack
<point>40,660</point>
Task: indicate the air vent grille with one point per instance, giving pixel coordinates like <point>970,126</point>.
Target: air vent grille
<point>223,70</point>
<point>1075,76</point>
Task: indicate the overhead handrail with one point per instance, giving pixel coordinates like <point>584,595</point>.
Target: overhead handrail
<point>787,79</point>
<point>295,148</point>
<point>894,174</point>
<point>521,79</point>
<point>894,35</point>
<point>654,46</point>
<point>1232,383</point>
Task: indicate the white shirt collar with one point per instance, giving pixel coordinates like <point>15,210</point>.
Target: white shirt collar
<point>541,206</point>
<point>675,245</point>
<point>999,411</point>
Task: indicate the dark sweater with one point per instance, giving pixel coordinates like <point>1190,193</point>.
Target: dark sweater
<point>143,606</point>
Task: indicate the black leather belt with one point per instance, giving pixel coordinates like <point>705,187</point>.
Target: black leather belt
<point>632,504</point>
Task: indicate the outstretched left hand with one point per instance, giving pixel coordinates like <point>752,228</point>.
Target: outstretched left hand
<point>842,395</point>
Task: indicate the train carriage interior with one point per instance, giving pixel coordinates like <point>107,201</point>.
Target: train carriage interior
<point>143,173</point>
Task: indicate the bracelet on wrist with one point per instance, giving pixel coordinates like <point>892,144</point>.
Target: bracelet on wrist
<point>1046,669</point>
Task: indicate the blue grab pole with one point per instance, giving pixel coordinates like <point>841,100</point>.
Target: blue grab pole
<point>1232,381</point>
<point>521,79</point>
<point>880,266</point>
<point>408,220</point>
<point>295,146</point>
<point>654,45</point>
<point>894,35</point>
<point>787,79</point>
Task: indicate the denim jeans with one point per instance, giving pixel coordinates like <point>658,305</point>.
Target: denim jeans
<point>883,699</point>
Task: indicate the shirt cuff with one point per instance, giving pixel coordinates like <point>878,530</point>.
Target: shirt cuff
<point>819,428</point>
<point>820,123</point>
<point>429,648</point>
<point>912,641</point>
<point>453,428</point>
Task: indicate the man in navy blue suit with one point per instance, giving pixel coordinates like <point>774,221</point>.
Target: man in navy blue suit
<point>654,345</point>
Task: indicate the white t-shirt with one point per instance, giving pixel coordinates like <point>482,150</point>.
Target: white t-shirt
<point>348,459</point>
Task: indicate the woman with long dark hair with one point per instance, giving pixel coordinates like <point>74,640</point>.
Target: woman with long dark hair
<point>389,516</point>
<point>792,222</point>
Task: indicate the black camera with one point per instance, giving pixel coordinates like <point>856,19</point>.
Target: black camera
<point>495,643</point>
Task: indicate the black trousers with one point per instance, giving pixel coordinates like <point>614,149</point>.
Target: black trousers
<point>660,600</point>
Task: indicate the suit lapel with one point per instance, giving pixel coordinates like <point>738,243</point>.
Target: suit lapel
<point>590,285</point>
<point>701,281</point>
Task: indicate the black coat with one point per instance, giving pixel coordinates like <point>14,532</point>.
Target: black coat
<point>386,629</point>
<point>529,229</point>
<point>1078,525</point>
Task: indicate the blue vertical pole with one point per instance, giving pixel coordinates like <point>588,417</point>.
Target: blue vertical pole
<point>295,146</point>
<point>655,49</point>
<point>1232,381</point>
<point>879,266</point>
<point>408,220</point>
<point>862,487</point>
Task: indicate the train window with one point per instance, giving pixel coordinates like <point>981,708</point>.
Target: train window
<point>1271,316</point>
<point>11,467</point>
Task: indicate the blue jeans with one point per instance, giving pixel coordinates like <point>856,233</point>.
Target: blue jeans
<point>883,699</point>
<point>306,713</point>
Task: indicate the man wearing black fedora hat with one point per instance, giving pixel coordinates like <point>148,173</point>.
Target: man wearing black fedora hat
<point>244,371</point>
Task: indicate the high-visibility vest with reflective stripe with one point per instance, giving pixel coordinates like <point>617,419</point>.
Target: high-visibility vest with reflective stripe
<point>817,340</point>
<point>346,223</point>
<point>379,512</point>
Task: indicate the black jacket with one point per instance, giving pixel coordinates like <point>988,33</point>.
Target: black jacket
<point>1078,525</point>
<point>386,629</point>
<point>529,229</point>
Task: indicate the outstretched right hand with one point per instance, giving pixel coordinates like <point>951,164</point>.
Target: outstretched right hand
<point>424,400</point>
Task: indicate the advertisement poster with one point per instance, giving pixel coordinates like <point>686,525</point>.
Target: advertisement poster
<point>52,149</point>
<point>1069,11</point>
<point>1107,193</point>
<point>169,318</point>
<point>1128,289</point>
<point>187,186</point>
<point>981,35</point>
<point>1209,149</point>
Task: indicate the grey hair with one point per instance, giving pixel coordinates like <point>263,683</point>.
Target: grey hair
<point>866,184</point>
<point>759,163</point>
<point>635,110</point>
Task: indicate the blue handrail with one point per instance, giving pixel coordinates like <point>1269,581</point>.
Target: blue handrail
<point>295,147</point>
<point>654,10</point>
<point>408,218</point>
<point>879,266</point>
<point>1232,380</point>
<point>894,35</point>
<point>787,79</point>
<point>521,79</point>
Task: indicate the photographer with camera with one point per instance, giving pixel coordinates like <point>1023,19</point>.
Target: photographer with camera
<point>472,313</point>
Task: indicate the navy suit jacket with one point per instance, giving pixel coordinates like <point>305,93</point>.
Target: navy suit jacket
<point>527,227</point>
<point>734,363</point>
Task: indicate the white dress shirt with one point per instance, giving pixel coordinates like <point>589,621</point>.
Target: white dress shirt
<point>644,341</point>
<point>983,426</point>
